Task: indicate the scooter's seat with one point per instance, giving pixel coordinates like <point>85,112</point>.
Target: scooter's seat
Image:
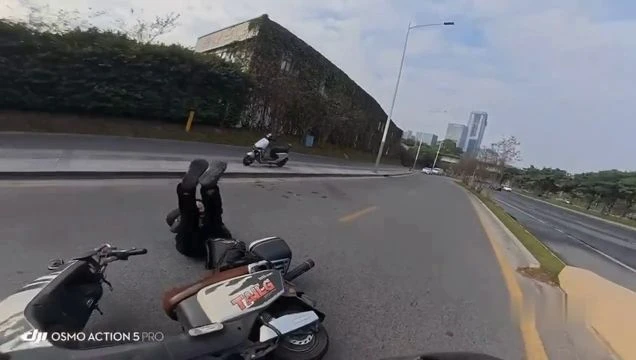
<point>173,297</point>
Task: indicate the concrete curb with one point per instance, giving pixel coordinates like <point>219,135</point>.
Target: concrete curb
<point>522,256</point>
<point>579,212</point>
<point>90,175</point>
<point>605,307</point>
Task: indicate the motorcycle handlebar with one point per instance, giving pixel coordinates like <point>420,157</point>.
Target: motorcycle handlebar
<point>137,251</point>
<point>124,254</point>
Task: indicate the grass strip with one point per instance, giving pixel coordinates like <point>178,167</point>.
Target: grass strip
<point>551,265</point>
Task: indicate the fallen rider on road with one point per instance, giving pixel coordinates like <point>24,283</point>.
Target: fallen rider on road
<point>196,221</point>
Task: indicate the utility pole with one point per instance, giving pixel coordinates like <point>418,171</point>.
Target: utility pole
<point>417,154</point>
<point>397,84</point>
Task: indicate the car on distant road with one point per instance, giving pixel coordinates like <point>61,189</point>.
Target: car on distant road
<point>437,171</point>
<point>427,170</point>
<point>506,188</point>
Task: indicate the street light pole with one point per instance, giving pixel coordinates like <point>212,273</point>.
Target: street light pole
<point>436,155</point>
<point>397,85</point>
<point>417,154</point>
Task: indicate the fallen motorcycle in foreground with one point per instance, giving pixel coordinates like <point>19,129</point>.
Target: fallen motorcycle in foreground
<point>248,310</point>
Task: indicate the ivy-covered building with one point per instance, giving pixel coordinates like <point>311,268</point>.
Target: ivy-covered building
<point>296,90</point>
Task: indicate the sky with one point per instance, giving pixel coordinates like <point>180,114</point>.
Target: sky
<point>558,75</point>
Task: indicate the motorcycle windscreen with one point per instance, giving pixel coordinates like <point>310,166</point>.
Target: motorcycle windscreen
<point>236,297</point>
<point>16,331</point>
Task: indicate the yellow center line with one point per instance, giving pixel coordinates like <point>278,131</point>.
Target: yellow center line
<point>524,312</point>
<point>357,214</point>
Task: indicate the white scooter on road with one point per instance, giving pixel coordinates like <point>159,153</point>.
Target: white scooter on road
<point>277,155</point>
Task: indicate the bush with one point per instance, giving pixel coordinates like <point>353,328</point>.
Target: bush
<point>107,73</point>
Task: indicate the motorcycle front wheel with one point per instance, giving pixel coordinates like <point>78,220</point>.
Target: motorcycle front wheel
<point>247,160</point>
<point>303,345</point>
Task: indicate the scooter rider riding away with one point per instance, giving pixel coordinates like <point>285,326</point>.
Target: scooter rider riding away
<point>264,145</point>
<point>265,152</point>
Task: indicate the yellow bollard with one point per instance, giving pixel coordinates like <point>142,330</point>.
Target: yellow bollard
<point>190,119</point>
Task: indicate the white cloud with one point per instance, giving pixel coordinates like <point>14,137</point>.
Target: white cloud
<point>558,75</point>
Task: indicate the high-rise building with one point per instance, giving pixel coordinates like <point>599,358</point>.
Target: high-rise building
<point>430,139</point>
<point>457,133</point>
<point>477,123</point>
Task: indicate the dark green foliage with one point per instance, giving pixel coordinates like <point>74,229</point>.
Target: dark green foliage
<point>107,73</point>
<point>607,188</point>
<point>312,95</point>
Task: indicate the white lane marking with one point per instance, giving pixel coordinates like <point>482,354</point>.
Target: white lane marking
<point>529,215</point>
<point>608,257</point>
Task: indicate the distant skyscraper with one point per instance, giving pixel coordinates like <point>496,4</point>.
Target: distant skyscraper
<point>430,139</point>
<point>477,123</point>
<point>457,133</point>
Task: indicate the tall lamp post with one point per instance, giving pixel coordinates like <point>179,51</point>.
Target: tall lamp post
<point>437,155</point>
<point>417,154</point>
<point>397,84</point>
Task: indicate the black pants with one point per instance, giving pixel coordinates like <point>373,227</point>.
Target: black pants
<point>194,229</point>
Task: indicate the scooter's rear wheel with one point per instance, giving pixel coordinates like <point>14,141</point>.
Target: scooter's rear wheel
<point>282,163</point>
<point>304,345</point>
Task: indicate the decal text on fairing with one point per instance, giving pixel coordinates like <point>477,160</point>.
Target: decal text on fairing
<point>253,294</point>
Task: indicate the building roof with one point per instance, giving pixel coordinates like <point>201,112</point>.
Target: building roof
<point>231,26</point>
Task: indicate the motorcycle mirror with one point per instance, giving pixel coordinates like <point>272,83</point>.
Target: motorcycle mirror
<point>55,264</point>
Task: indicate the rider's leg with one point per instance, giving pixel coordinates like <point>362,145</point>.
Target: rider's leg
<point>189,221</point>
<point>188,231</point>
<point>213,226</point>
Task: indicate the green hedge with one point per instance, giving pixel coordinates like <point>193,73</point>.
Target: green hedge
<point>107,73</point>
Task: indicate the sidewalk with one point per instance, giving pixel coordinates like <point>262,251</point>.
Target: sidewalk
<point>69,164</point>
<point>37,145</point>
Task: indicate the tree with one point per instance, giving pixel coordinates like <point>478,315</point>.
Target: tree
<point>510,173</point>
<point>627,191</point>
<point>145,31</point>
<point>507,150</point>
<point>98,72</point>
<point>42,18</point>
<point>612,188</point>
<point>449,147</point>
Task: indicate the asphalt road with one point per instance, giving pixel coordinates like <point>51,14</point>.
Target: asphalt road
<point>403,265</point>
<point>596,245</point>
<point>145,148</point>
